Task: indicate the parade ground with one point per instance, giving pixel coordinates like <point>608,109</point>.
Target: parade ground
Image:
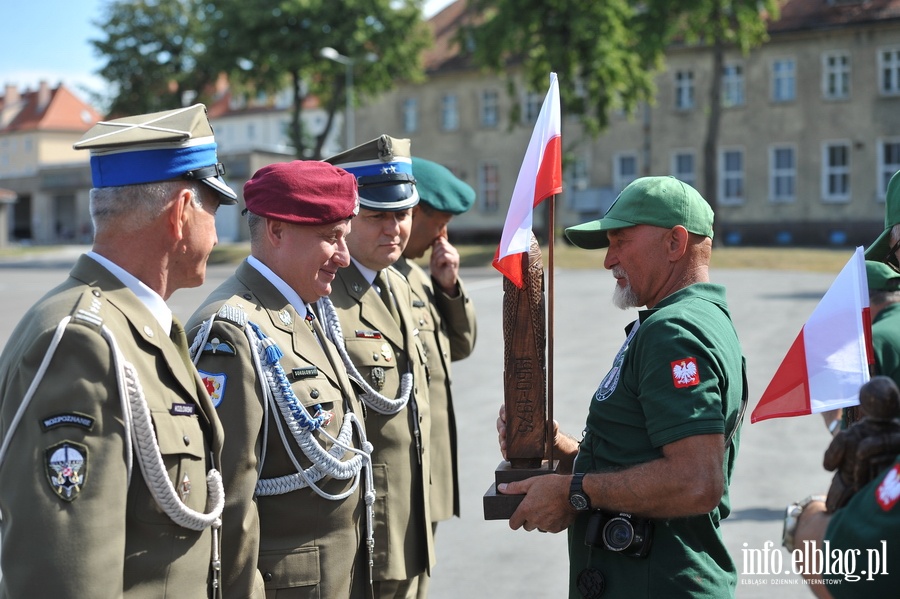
<point>780,460</point>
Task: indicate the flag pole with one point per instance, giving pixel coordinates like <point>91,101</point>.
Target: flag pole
<point>551,228</point>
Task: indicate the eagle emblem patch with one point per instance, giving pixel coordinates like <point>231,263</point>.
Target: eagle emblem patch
<point>685,373</point>
<point>67,469</point>
<point>888,491</point>
<point>215,385</point>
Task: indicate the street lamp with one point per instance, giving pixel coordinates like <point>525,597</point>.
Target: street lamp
<point>349,124</point>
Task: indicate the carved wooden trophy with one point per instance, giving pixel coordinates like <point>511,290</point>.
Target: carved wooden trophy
<point>524,385</point>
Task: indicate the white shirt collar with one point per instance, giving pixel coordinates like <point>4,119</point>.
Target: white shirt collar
<point>367,273</point>
<point>289,294</point>
<point>154,302</point>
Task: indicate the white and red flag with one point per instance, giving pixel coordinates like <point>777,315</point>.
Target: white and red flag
<point>539,178</point>
<point>829,361</point>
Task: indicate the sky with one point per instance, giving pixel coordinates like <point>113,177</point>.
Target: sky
<point>48,40</point>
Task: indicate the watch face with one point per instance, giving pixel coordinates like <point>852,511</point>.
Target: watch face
<point>579,502</point>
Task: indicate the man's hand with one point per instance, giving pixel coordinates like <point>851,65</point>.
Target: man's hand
<point>444,265</point>
<point>546,503</point>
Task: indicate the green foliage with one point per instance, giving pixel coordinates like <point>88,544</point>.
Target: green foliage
<point>155,51</point>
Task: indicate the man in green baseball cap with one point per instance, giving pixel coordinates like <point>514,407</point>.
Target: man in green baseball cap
<point>884,248</point>
<point>884,305</point>
<point>662,430</point>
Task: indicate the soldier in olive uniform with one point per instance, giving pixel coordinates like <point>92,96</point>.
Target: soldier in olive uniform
<point>293,464</point>
<point>445,317</point>
<point>110,444</point>
<point>369,315</point>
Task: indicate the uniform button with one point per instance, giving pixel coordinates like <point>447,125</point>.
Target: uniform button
<point>267,577</point>
<point>148,331</point>
<point>314,393</point>
<point>96,293</point>
<point>247,296</point>
<point>421,322</point>
<point>375,357</point>
<point>187,440</point>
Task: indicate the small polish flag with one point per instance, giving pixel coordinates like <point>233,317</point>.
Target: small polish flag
<point>829,360</point>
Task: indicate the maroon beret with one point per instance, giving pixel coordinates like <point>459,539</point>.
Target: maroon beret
<point>306,192</point>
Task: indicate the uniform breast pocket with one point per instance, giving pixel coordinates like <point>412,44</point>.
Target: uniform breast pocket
<point>376,361</point>
<point>291,574</point>
<point>182,447</point>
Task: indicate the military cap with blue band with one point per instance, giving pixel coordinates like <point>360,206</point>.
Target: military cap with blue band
<point>161,146</point>
<point>440,188</point>
<point>383,171</point>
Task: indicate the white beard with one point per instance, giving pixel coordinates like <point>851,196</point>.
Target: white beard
<point>624,297</point>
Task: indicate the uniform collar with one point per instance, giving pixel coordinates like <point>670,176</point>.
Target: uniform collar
<point>154,302</point>
<point>286,290</point>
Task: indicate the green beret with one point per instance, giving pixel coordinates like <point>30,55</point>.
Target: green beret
<point>881,277</point>
<point>441,189</point>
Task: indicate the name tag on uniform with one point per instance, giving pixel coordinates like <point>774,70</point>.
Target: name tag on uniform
<point>304,372</point>
<point>417,303</point>
<point>368,334</point>
<point>182,409</point>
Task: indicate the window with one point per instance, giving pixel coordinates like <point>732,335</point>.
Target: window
<point>889,67</point>
<point>683,167</point>
<point>410,115</point>
<point>836,171</point>
<point>888,163</point>
<point>733,85</point>
<point>580,176</point>
<point>489,181</point>
<point>782,174</point>
<point>490,109</point>
<point>533,102</point>
<point>449,113</point>
<point>836,75</point>
<point>624,170</point>
<point>684,90</point>
<point>731,176</point>
<point>784,82</point>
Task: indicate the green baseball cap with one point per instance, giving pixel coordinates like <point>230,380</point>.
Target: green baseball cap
<point>880,248</point>
<point>658,201</point>
<point>881,277</point>
<point>440,188</point>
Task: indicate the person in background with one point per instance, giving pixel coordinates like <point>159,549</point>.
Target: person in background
<point>109,482</point>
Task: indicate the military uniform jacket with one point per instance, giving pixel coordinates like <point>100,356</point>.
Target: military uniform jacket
<point>403,536</point>
<point>297,541</point>
<point>74,528</point>
<point>447,329</point>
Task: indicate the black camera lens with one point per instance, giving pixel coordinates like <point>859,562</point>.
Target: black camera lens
<point>618,534</point>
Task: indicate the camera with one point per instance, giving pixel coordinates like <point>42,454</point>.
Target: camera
<point>622,533</point>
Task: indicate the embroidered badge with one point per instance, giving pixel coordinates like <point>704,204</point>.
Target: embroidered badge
<point>888,492</point>
<point>685,373</point>
<point>182,409</point>
<point>215,385</point>
<point>218,347</point>
<point>285,317</point>
<point>367,334</point>
<point>67,469</point>
<point>377,375</point>
<point>67,419</point>
<point>305,372</point>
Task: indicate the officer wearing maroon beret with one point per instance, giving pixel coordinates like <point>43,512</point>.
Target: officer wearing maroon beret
<point>296,463</point>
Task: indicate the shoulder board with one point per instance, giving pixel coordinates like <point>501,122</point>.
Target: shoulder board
<point>88,309</point>
<point>232,314</point>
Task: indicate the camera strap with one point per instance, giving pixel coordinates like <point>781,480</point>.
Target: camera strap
<point>743,409</point>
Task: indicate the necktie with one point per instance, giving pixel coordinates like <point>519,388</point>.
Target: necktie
<point>385,291</point>
<point>179,338</point>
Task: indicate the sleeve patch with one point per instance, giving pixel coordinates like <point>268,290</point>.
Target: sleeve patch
<point>685,373</point>
<point>215,385</point>
<point>888,491</point>
<point>66,469</point>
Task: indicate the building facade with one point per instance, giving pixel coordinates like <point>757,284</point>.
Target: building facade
<point>810,130</point>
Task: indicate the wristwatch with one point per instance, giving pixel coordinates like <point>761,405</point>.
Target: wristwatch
<point>792,517</point>
<point>577,497</point>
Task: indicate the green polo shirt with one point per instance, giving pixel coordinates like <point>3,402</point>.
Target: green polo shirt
<point>886,341</point>
<point>679,374</point>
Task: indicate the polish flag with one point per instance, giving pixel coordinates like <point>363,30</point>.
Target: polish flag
<point>539,178</point>
<point>829,361</point>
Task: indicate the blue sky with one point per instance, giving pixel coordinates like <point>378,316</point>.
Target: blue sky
<point>48,39</point>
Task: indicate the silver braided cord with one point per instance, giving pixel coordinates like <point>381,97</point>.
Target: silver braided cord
<point>150,459</point>
<point>371,397</point>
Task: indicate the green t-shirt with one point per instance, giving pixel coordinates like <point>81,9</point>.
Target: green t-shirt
<point>864,541</point>
<point>679,374</point>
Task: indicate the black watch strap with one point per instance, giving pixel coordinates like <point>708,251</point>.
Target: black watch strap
<point>577,497</point>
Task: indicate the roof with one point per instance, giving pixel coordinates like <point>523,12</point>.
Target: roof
<point>800,15</point>
<point>446,54</point>
<point>45,109</point>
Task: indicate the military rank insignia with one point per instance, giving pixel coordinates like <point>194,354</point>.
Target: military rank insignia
<point>215,385</point>
<point>217,347</point>
<point>66,469</point>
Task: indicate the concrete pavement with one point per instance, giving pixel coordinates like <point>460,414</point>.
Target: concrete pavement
<point>779,460</point>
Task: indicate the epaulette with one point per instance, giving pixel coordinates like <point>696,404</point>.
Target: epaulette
<point>232,314</point>
<point>87,309</point>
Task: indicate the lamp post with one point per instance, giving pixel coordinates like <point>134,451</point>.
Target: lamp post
<point>349,124</point>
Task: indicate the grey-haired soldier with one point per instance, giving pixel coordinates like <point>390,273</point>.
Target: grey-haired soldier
<point>109,482</point>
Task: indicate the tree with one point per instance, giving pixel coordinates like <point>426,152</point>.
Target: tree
<point>268,45</point>
<point>155,52</point>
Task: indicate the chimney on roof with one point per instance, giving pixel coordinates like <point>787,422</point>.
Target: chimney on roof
<point>43,95</point>
<point>10,95</point>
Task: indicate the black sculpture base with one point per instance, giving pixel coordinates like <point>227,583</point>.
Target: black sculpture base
<point>498,506</point>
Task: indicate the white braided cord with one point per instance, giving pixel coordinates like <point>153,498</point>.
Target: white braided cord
<point>371,397</point>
